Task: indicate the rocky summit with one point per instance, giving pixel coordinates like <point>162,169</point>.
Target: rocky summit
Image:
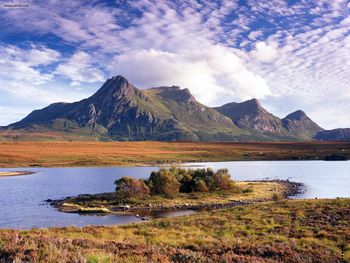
<point>120,111</point>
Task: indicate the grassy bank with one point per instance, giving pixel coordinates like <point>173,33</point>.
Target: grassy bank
<point>107,203</point>
<point>284,231</point>
<point>73,154</point>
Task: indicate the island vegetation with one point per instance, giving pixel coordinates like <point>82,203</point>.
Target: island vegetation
<point>79,154</point>
<point>178,188</point>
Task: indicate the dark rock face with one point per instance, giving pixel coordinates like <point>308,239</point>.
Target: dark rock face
<point>334,135</point>
<point>299,124</point>
<point>120,111</point>
<point>250,114</point>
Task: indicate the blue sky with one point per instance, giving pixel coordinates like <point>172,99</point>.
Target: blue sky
<point>288,54</point>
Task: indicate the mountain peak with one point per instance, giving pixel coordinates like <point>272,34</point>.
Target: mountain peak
<point>250,114</point>
<point>115,87</point>
<point>253,104</point>
<point>118,82</point>
<point>296,115</point>
<point>118,77</point>
<point>298,123</point>
<point>253,101</point>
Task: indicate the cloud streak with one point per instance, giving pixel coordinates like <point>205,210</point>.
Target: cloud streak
<point>290,54</point>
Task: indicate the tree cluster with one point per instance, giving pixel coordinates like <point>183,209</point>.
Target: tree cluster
<point>170,182</point>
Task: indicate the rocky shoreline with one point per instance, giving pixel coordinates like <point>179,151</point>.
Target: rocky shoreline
<point>291,189</point>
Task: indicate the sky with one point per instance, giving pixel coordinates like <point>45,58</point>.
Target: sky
<point>289,54</point>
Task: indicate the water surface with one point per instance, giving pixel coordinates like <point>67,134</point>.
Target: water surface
<point>22,197</point>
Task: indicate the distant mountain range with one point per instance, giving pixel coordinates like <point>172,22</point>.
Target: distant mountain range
<point>120,111</point>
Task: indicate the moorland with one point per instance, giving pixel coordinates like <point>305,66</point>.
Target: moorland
<point>80,154</point>
<point>282,231</point>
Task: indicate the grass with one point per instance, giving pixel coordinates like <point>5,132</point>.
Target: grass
<point>73,154</point>
<point>282,231</point>
<point>250,192</point>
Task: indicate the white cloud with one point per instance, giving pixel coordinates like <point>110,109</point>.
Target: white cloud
<point>212,75</point>
<point>19,64</point>
<point>10,115</point>
<point>255,34</point>
<point>80,68</point>
<point>265,52</point>
<point>301,55</point>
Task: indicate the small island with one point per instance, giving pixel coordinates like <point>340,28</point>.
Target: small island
<point>15,173</point>
<point>178,189</point>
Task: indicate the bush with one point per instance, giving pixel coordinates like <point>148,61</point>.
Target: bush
<point>221,180</point>
<point>170,182</point>
<point>164,182</point>
<point>128,187</point>
<point>201,186</point>
<point>186,184</point>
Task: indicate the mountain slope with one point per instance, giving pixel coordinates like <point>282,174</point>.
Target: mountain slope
<point>120,111</point>
<point>334,135</point>
<point>201,119</point>
<point>299,124</point>
<point>250,115</point>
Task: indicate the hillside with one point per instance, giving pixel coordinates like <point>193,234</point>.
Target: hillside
<point>120,111</point>
<point>333,135</point>
<point>250,115</point>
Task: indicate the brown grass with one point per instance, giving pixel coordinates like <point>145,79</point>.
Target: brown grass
<point>284,231</point>
<point>59,154</point>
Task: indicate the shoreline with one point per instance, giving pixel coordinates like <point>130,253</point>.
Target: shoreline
<point>15,173</point>
<point>290,189</point>
<point>194,163</point>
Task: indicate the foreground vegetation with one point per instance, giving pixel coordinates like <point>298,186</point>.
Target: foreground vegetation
<point>283,231</point>
<point>70,154</point>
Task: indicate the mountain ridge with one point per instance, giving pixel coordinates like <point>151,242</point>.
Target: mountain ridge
<point>120,111</point>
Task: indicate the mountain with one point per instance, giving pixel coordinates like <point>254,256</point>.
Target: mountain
<point>120,111</point>
<point>250,115</point>
<point>300,125</point>
<point>334,135</point>
<point>206,123</point>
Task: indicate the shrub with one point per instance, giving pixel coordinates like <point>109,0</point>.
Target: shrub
<point>186,184</point>
<point>221,180</point>
<point>201,186</point>
<point>171,181</point>
<point>164,182</point>
<point>128,187</point>
<point>204,174</point>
